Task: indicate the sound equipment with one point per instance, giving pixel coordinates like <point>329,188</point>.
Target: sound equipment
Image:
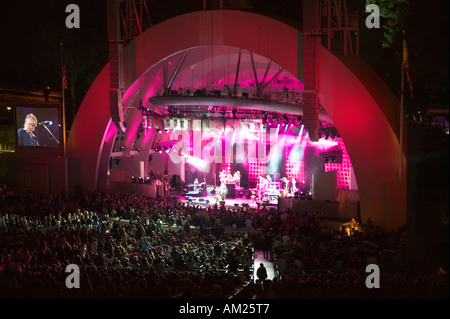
<point>231,191</point>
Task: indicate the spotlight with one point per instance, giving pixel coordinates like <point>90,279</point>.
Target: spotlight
<point>147,180</point>
<point>141,180</point>
<point>133,179</point>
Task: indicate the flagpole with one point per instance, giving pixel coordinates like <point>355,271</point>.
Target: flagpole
<point>402,87</point>
<point>63,104</point>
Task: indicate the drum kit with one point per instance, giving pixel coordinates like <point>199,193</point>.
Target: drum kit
<point>267,190</point>
<point>225,179</point>
<point>270,191</point>
<point>230,179</point>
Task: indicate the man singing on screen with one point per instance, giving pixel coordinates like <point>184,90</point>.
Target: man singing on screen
<point>26,135</point>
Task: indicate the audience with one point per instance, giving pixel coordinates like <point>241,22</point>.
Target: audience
<point>131,246</point>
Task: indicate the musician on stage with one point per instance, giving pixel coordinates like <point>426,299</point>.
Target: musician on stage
<point>223,191</point>
<point>263,183</point>
<point>293,186</point>
<point>285,186</point>
<point>26,136</point>
<point>222,177</point>
<point>237,178</point>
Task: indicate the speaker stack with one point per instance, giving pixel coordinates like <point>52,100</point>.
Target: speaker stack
<point>231,191</point>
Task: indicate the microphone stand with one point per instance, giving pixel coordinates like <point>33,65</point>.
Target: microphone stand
<point>50,133</point>
<point>34,139</point>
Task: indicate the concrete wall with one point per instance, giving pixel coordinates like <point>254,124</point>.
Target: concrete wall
<point>43,174</point>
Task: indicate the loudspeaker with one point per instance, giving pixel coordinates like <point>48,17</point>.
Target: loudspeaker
<point>231,191</point>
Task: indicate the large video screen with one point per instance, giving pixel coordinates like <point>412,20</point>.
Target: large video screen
<point>38,126</point>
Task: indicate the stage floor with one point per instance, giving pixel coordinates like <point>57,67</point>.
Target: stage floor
<point>238,203</point>
<point>335,213</point>
<point>232,203</point>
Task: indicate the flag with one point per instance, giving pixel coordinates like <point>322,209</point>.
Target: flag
<point>406,66</point>
<point>64,77</point>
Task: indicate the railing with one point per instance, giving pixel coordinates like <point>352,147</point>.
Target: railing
<point>276,94</point>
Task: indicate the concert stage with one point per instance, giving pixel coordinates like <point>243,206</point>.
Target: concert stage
<point>333,210</point>
<point>233,203</point>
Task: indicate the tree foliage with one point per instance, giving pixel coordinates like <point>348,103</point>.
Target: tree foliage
<point>394,12</point>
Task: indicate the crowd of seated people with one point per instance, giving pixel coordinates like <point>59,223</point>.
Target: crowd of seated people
<point>132,246</point>
<point>121,252</point>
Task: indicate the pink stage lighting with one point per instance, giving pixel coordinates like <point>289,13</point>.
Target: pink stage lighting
<point>198,163</point>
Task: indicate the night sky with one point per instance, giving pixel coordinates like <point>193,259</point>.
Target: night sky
<point>31,33</point>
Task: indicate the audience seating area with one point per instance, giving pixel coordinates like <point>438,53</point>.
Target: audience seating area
<point>130,246</point>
